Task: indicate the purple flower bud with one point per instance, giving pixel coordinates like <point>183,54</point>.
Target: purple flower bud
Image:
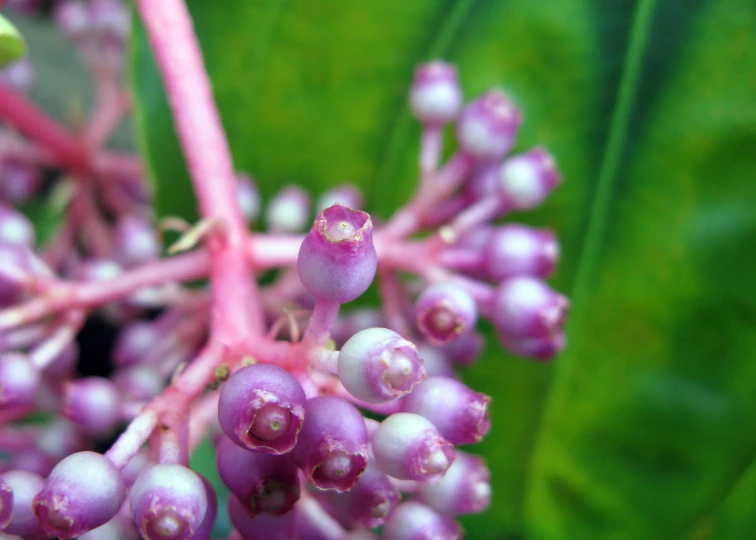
<point>541,348</point>
<point>369,501</point>
<point>63,365</point>
<point>83,491</point>
<point>72,17</point>
<point>444,311</point>
<point>111,19</point>
<point>487,127</point>
<point>465,350</point>
<point>435,361</point>
<point>262,482</point>
<point>121,527</point>
<point>465,489</point>
<point>518,250</point>
<point>435,96</point>
<point>378,365</point>
<point>206,527</point>
<point>261,407</point>
<point>525,307</point>
<point>93,403</point>
<point>21,181</point>
<point>139,383</point>
<point>135,241</point>
<point>415,521</point>
<point>15,228</point>
<point>346,195</point>
<point>288,212</point>
<point>409,447</point>
<point>248,196</point>
<point>6,503</point>
<point>33,460</point>
<point>337,259</point>
<point>19,381</point>
<point>332,447</point>
<point>60,438</point>
<point>168,502</point>
<point>261,526</point>
<point>527,179</point>
<point>24,486</point>
<point>134,342</point>
<point>459,413</point>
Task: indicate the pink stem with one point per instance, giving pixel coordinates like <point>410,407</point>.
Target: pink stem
<point>322,319</point>
<point>131,440</point>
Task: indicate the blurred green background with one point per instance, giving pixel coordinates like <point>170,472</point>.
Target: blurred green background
<point>645,427</point>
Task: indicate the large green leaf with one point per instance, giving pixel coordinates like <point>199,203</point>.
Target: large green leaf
<point>647,107</point>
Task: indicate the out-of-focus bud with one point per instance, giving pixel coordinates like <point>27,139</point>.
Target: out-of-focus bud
<point>465,489</point>
<point>444,311</point>
<point>345,195</point>
<point>19,381</point>
<point>6,503</point>
<point>139,383</point>
<point>24,486</point>
<point>135,241</point>
<point>289,211</point>
<point>435,96</point>
<point>134,342</point>
<point>525,307</point>
<point>487,126</point>
<point>415,521</point>
<point>518,250</point>
<point>72,17</point>
<point>20,181</point>
<point>93,403</point>
<point>540,348</point>
<point>527,179</point>
<point>261,526</point>
<point>249,197</point>
<point>465,350</point>
<point>15,228</point>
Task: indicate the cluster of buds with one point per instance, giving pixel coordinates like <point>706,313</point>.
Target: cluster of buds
<point>286,387</point>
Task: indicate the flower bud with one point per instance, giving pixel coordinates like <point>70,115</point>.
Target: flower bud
<point>72,17</point>
<point>261,408</point>
<point>168,502</point>
<point>527,179</point>
<point>93,403</point>
<point>378,365</point>
<point>24,486</point>
<point>465,489</point>
<point>465,350</point>
<point>139,383</point>
<point>110,19</point>
<point>346,195</point>
<point>487,127</point>
<point>15,228</point>
<point>435,360</point>
<point>415,521</point>
<point>337,260</point>
<point>121,527</point>
<point>134,342</point>
<point>83,491</point>
<point>6,503</point>
<point>444,311</point>
<point>525,307</point>
<point>206,527</point>
<point>135,241</point>
<point>435,96</point>
<point>21,181</point>
<point>332,447</point>
<point>409,447</point>
<point>459,413</point>
<point>19,381</point>
<point>288,211</point>
<point>369,501</point>
<point>544,348</point>
<point>261,526</point>
<point>518,250</point>
<point>64,364</point>
<point>262,482</point>
<point>248,196</point>
<point>98,270</point>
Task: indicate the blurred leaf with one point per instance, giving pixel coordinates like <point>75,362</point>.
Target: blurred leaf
<point>12,46</point>
<point>647,107</point>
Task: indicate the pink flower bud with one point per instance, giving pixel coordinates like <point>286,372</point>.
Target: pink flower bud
<point>337,260</point>
<point>135,241</point>
<point>24,486</point>
<point>378,365</point>
<point>487,127</point>
<point>288,212</point>
<point>465,489</point>
<point>527,179</point>
<point>435,95</point>
<point>444,311</point>
<point>346,195</point>
<point>415,521</point>
<point>134,342</point>
<point>518,250</point>
<point>525,307</point>
<point>15,228</point>
<point>19,381</point>
<point>261,526</point>
<point>93,403</point>
<point>249,197</point>
<point>72,17</point>
<point>544,348</point>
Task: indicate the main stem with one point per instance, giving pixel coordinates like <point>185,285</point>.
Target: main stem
<point>236,307</point>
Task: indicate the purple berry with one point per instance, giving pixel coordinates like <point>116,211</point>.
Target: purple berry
<point>435,95</point>
<point>444,311</point>
<point>525,307</point>
<point>527,179</point>
<point>262,482</point>
<point>332,447</point>
<point>459,413</point>
<point>465,489</point>
<point>337,260</point>
<point>83,491</point>
<point>369,501</point>
<point>487,127</point>
<point>24,486</point>
<point>19,381</point>
<point>169,502</point>
<point>135,241</point>
<point>378,365</point>
<point>288,211</point>
<point>409,447</point>
<point>121,527</point>
<point>465,350</point>
<point>261,526</point>
<point>261,408</point>
<point>93,403</point>
<point>415,521</point>
<point>518,250</point>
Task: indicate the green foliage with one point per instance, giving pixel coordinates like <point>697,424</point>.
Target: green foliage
<point>643,426</point>
<point>12,45</point>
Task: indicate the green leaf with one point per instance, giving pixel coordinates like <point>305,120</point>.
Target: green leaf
<point>12,46</point>
<point>648,108</point>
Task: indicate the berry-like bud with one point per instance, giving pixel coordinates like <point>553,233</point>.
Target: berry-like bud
<point>15,228</point>
<point>24,486</point>
<point>444,311</point>
<point>465,350</point>
<point>261,526</point>
<point>168,502</point>
<point>93,403</point>
<point>288,211</point>
<point>134,342</point>
<point>6,503</point>
<point>83,491</point>
<point>378,365</point>
<point>459,413</point>
<point>465,489</point>
<point>110,19</point>
<point>19,381</point>
<point>139,383</point>
<point>346,195</point>
<point>206,527</point>
<point>262,482</point>
<point>518,250</point>
<point>435,96</point>
<point>409,447</point>
<point>332,447</point>
<point>541,348</point>
<point>435,361</point>
<point>72,17</point>
<point>121,527</point>
<point>337,260</point>
<point>487,127</point>
<point>261,407</point>
<point>415,521</point>
<point>21,181</point>
<point>249,197</point>
<point>525,307</point>
<point>63,365</point>
<point>527,179</point>
<point>368,503</point>
<point>135,241</point>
